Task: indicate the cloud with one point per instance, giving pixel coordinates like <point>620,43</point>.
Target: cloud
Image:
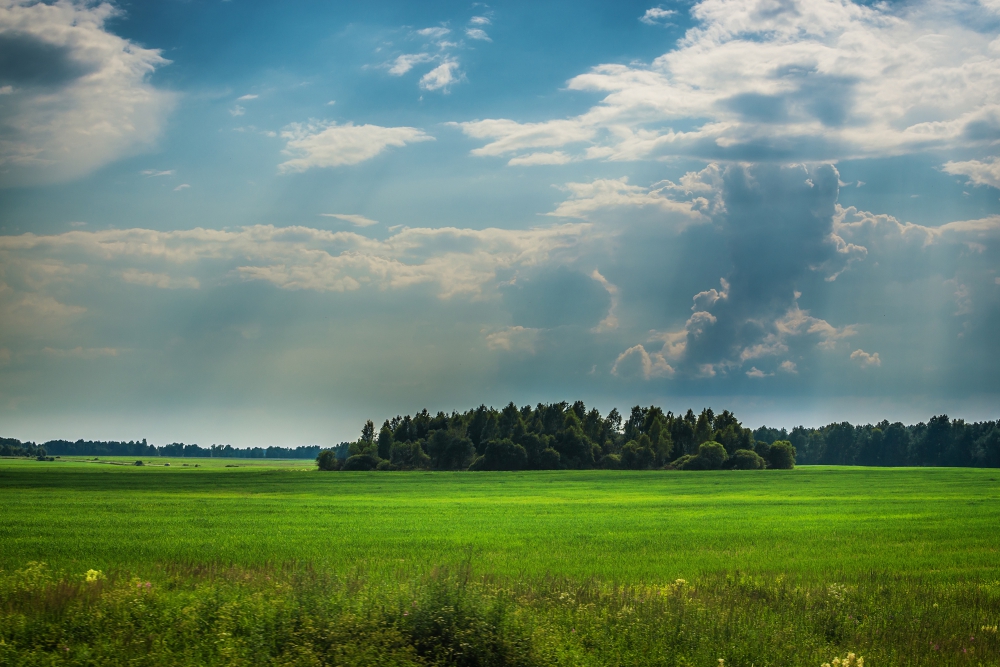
<point>787,366</point>
<point>637,361</point>
<point>330,145</point>
<point>610,321</point>
<point>442,77</point>
<point>182,186</point>
<point>555,157</point>
<point>77,96</point>
<point>433,33</point>
<point>657,16</point>
<point>513,339</point>
<point>866,360</point>
<point>6,90</point>
<point>460,262</point>
<point>244,98</point>
<point>479,20</point>
<point>237,111</point>
<point>985,172</point>
<point>156,172</point>
<point>356,220</point>
<point>788,81</point>
<point>755,372</point>
<point>477,33</point>
<point>405,62</point>
<point>603,195</point>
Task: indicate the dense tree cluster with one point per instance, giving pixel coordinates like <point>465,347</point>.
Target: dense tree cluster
<point>558,435</point>
<point>939,442</point>
<point>12,447</point>
<point>561,435</point>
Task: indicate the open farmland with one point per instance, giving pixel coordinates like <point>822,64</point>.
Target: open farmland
<point>779,567</point>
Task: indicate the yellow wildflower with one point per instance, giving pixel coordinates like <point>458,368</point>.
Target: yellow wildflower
<point>93,575</point>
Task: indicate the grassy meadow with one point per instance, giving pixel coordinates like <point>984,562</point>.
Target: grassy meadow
<point>277,563</point>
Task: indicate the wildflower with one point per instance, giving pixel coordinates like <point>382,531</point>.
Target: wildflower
<point>851,660</point>
<point>93,575</point>
<point>722,662</point>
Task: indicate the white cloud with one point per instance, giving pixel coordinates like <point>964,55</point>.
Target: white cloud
<point>556,157</point>
<point>356,220</point>
<point>237,111</point>
<point>866,360</point>
<point>649,365</point>
<point>244,98</point>
<point>182,186</point>
<point>433,33</point>
<point>442,77</point>
<point>788,367</point>
<point>586,199</point>
<point>479,20</point>
<point>6,90</point>
<point>477,33</point>
<point>90,105</point>
<point>985,172</point>
<point>330,145</point>
<point>817,80</point>
<point>405,62</point>
<point>157,172</point>
<point>755,372</point>
<point>657,16</point>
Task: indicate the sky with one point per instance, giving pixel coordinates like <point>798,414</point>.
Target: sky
<point>262,223</point>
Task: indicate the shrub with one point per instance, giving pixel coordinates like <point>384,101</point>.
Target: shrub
<point>610,462</point>
<point>711,456</point>
<point>501,455</point>
<point>360,462</point>
<point>327,460</point>
<point>781,455</point>
<point>745,459</point>
<point>549,459</point>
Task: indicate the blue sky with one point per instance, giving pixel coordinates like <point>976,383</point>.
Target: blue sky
<point>262,223</point>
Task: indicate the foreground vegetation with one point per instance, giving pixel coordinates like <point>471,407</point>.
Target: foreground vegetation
<point>258,565</point>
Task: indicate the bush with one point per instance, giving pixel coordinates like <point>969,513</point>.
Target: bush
<point>781,456</point>
<point>327,460</point>
<point>745,459</point>
<point>610,462</point>
<point>360,462</point>
<point>711,456</point>
<point>549,459</point>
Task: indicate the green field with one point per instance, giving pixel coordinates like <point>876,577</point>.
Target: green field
<point>781,567</point>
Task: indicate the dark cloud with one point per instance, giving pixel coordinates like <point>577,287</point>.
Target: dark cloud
<point>26,60</point>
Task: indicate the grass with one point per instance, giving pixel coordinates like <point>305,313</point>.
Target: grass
<point>780,568</point>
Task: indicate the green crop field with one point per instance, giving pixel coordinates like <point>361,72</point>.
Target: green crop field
<point>793,567</point>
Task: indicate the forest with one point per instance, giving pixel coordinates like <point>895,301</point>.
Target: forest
<point>560,435</point>
<point>563,435</point>
<point>140,448</point>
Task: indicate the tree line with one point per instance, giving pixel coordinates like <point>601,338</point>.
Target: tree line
<point>561,435</point>
<point>140,448</point>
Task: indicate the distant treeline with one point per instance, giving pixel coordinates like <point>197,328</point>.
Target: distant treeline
<point>560,435</point>
<point>11,447</point>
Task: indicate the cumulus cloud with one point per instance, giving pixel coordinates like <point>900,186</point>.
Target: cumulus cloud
<point>330,145</point>
<point>657,16</point>
<point>405,62</point>
<point>866,360</point>
<point>434,33</point>
<point>795,80</point>
<point>479,20</point>
<point>985,172</point>
<point>636,361</point>
<point>603,195</point>
<point>356,220</point>
<point>477,33</point>
<point>76,96</point>
<point>442,77</point>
